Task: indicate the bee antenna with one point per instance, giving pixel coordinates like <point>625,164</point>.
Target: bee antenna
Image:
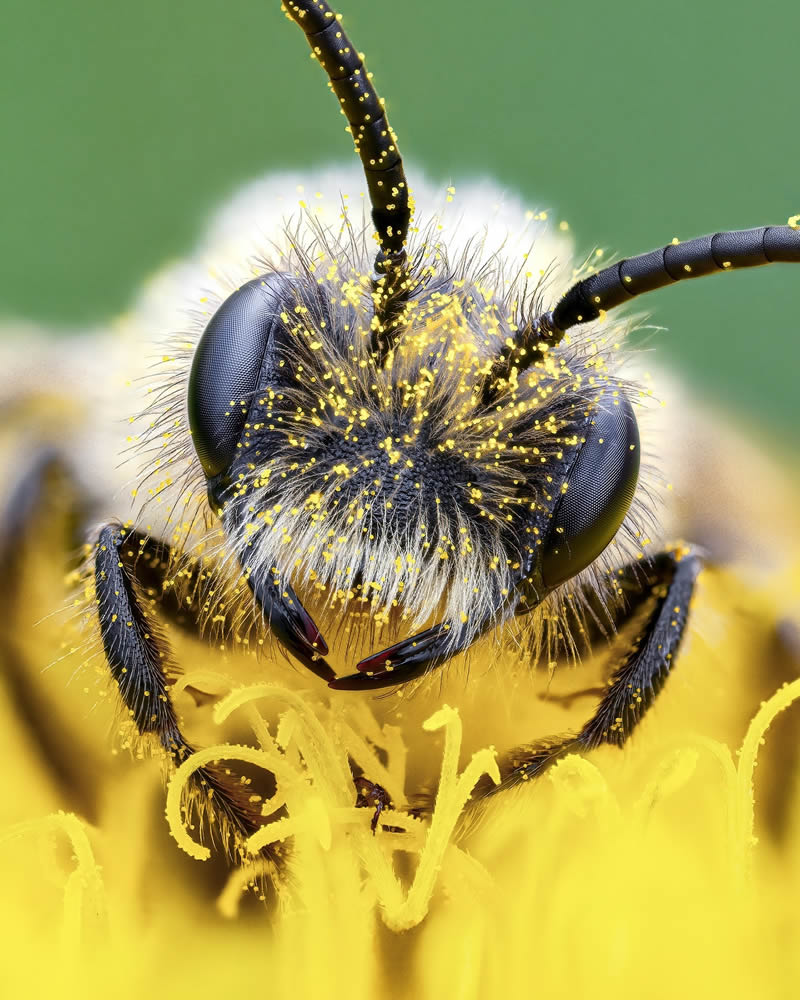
<point>376,145</point>
<point>623,281</point>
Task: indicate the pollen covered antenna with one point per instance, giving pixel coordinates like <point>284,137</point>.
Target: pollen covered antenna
<point>625,280</point>
<point>376,145</point>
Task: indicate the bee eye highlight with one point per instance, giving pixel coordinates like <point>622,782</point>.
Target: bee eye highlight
<point>227,364</point>
<point>601,485</point>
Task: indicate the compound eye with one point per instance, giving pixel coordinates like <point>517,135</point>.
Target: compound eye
<point>601,484</point>
<point>227,363</point>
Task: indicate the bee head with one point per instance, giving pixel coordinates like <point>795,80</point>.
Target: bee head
<point>397,489</point>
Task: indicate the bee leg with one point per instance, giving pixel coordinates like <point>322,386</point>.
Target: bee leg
<point>141,663</point>
<point>667,582</point>
<point>637,681</point>
<point>370,795</point>
<point>150,560</point>
<point>45,474</point>
<point>45,507</point>
<point>570,697</point>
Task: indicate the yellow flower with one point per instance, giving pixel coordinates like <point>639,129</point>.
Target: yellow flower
<point>627,874</point>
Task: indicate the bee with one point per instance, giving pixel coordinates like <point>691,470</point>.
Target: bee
<point>380,435</point>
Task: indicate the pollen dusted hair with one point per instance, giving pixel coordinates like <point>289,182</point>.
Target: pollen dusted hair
<point>396,494</point>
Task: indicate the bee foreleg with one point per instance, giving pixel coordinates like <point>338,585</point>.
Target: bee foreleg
<point>636,682</point>
<point>141,663</point>
<point>43,512</point>
<point>46,476</point>
<point>668,581</point>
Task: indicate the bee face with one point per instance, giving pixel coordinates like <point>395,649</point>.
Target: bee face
<point>399,484</point>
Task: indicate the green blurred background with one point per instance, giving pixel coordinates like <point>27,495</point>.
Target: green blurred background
<point>123,125</point>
